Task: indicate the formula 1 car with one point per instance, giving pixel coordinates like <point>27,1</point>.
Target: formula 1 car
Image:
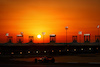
<point>45,59</point>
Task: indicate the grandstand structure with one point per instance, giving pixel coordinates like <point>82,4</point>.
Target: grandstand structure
<point>20,49</point>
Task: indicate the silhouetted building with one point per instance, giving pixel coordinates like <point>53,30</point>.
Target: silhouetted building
<point>30,39</point>
<point>19,39</point>
<point>52,38</point>
<point>97,38</point>
<point>9,39</point>
<point>86,38</point>
<point>74,38</point>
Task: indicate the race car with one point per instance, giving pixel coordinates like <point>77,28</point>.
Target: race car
<point>45,59</point>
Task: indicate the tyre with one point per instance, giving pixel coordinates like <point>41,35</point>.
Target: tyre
<point>53,60</point>
<point>35,60</point>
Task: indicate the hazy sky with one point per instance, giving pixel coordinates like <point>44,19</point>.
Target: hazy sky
<point>51,16</point>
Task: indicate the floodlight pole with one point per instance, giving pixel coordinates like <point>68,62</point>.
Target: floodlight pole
<point>98,35</point>
<point>43,39</point>
<point>80,38</point>
<point>43,33</point>
<point>80,33</point>
<point>98,28</point>
<point>66,34</point>
<point>98,31</point>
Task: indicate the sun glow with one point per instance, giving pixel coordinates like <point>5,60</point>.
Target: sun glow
<point>38,36</point>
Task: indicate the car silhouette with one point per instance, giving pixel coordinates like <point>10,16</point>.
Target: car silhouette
<point>45,59</point>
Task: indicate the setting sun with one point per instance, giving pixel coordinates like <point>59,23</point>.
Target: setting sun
<point>38,36</point>
<point>51,16</point>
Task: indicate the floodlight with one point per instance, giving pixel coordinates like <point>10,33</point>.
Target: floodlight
<point>89,48</point>
<point>20,52</point>
<point>52,35</point>
<point>82,49</point>
<point>19,35</point>
<point>86,34</point>
<point>66,27</point>
<point>67,49</point>
<point>74,49</point>
<point>37,51</point>
<point>45,51</point>
<point>28,51</point>
<point>21,32</point>
<point>98,26</point>
<point>7,34</point>
<point>43,33</point>
<point>80,32</point>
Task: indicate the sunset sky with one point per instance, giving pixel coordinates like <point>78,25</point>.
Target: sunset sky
<point>32,17</point>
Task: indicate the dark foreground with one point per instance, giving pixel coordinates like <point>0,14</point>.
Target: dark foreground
<point>50,65</point>
<point>68,61</point>
<point>62,54</point>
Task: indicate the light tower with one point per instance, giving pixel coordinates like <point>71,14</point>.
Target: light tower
<point>74,38</point>
<point>31,39</point>
<point>52,38</point>
<point>66,33</point>
<point>20,38</point>
<point>43,33</point>
<point>9,38</point>
<point>86,38</point>
<point>98,36</point>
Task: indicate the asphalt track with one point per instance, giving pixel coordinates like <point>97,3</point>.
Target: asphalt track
<point>86,60</point>
<point>81,58</point>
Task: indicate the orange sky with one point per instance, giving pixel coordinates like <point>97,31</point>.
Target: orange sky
<point>51,16</point>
